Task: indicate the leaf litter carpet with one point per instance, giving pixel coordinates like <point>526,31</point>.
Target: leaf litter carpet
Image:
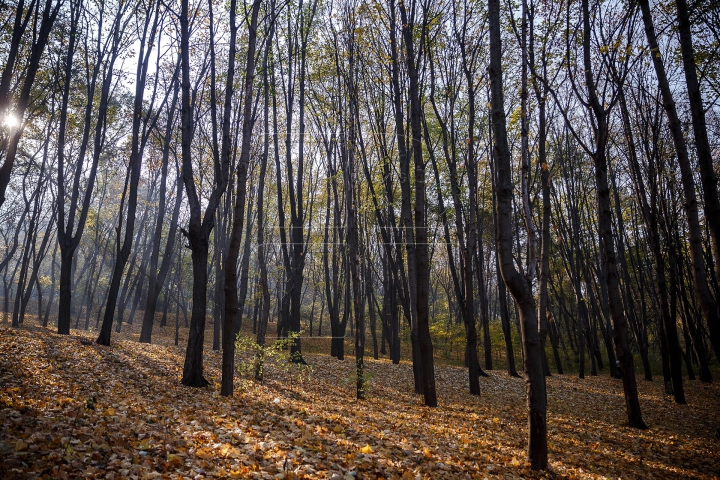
<point>72,409</point>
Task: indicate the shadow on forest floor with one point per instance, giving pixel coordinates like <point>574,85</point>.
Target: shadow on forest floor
<point>309,424</point>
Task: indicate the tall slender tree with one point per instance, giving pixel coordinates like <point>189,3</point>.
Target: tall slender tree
<point>15,107</point>
<point>109,50</point>
<point>708,304</point>
<point>141,126</point>
<point>201,222</point>
<point>599,155</point>
<point>231,286</point>
<point>517,283</point>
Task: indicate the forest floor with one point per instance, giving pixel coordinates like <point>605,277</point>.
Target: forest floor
<point>70,408</point>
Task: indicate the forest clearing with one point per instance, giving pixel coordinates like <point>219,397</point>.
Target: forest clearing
<point>71,408</point>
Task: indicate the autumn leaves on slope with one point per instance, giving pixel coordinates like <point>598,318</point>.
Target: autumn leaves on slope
<point>68,406</point>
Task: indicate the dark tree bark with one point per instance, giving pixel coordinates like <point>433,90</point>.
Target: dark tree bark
<point>650,215</point>
<point>628,301</point>
<point>262,263</point>
<point>50,301</point>
<point>467,232</point>
<point>519,286</point>
<point>483,260</point>
<point>231,286</point>
<point>707,302</point>
<point>294,252</point>
<point>331,267</point>
<point>41,35</point>
<point>372,304</point>
<point>136,270</point>
<point>23,15</point>
<point>352,203</point>
<point>28,274</point>
<point>422,258</point>
<point>137,142</point>
<point>200,224</point>
<point>33,279</point>
<point>501,289</point>
<point>244,267</point>
<point>67,239</point>
<point>405,206</point>
<point>702,145</point>
<point>11,250</point>
<point>469,58</point>
<point>622,344</point>
<point>393,268</point>
<point>542,160</point>
<point>157,279</point>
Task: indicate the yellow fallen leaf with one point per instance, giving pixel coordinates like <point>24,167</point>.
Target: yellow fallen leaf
<point>110,411</point>
<point>337,429</point>
<point>366,449</point>
<point>515,462</point>
<point>204,453</point>
<point>21,446</point>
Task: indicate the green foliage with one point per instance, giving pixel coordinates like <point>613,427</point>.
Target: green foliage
<point>256,361</point>
<point>350,380</point>
<point>448,340</point>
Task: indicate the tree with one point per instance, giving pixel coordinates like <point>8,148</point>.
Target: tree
<point>231,299</point>
<point>262,262</point>
<point>107,50</point>
<point>352,202</point>
<point>708,178</point>
<point>295,247</point>
<point>201,222</point>
<point>156,282</point>
<point>608,258</point>
<point>708,304</point>
<point>152,22</point>
<point>14,109</point>
<point>416,234</point>
<point>519,286</point>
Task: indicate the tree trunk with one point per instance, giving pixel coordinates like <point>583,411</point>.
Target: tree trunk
<point>707,303</point>
<point>200,226</point>
<point>702,145</point>
<point>68,241</point>
<point>156,282</point>
<point>265,311</point>
<point>138,142</point>
<point>244,269</point>
<point>53,262</point>
<point>422,259</point>
<point>231,294</point>
<point>518,285</point>
<point>650,214</point>
<point>41,34</point>
<point>622,344</point>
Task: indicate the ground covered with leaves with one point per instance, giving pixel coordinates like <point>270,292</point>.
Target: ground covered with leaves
<point>70,408</point>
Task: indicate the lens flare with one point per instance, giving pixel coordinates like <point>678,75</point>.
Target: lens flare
<point>11,121</point>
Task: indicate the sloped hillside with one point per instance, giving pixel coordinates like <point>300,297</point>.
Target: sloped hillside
<point>70,408</point>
